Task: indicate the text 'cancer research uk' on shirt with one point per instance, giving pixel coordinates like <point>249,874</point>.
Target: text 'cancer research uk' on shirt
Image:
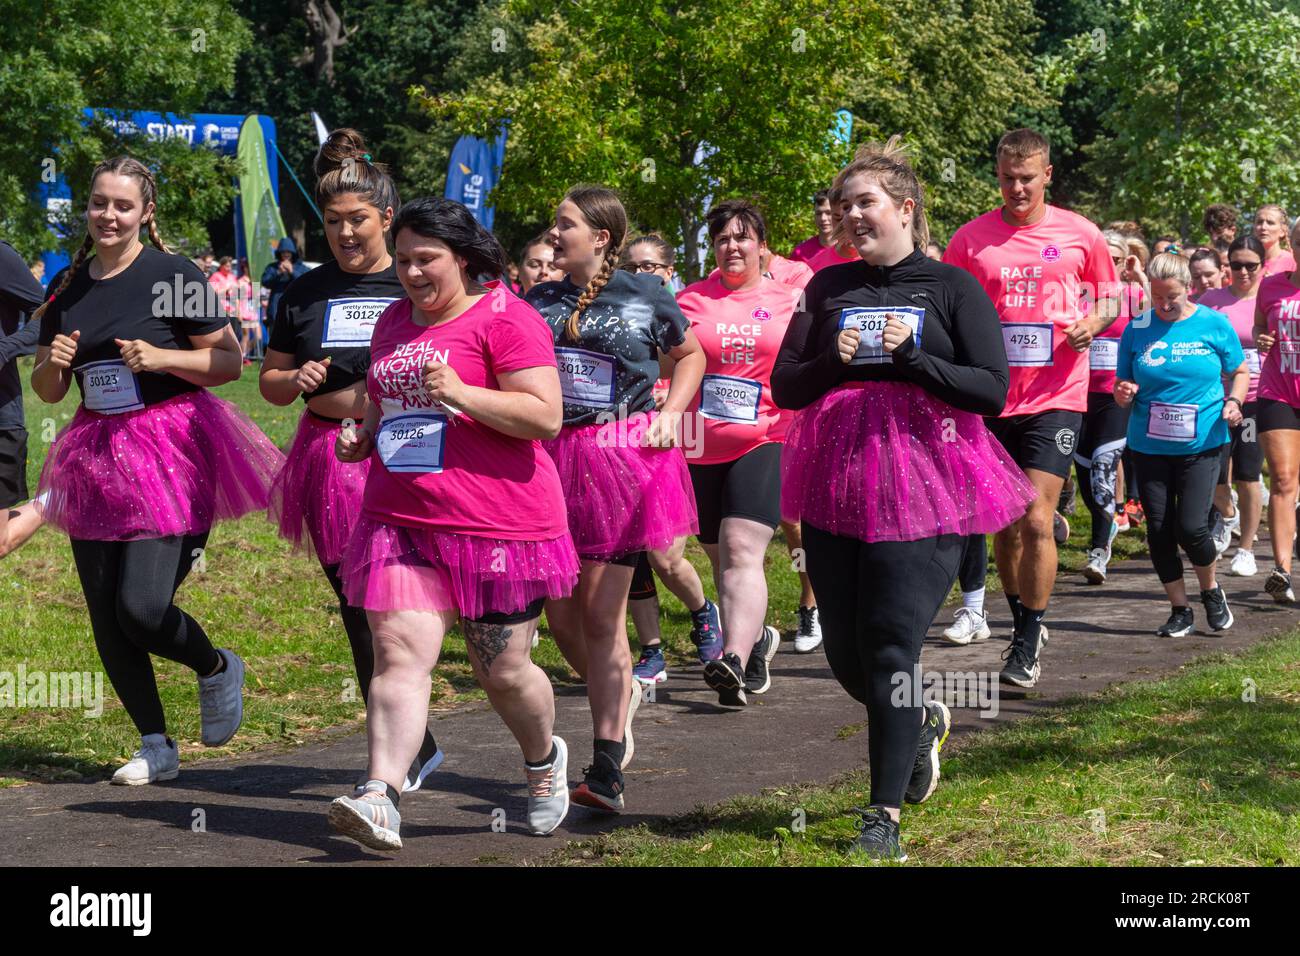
<point>1178,368</point>
<point>1042,279</point>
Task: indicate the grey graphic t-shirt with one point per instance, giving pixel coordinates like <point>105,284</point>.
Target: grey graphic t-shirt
<point>615,361</point>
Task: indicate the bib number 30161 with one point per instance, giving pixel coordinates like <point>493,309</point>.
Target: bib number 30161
<point>1172,422</point>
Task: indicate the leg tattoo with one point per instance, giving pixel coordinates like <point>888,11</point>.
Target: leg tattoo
<point>488,641</point>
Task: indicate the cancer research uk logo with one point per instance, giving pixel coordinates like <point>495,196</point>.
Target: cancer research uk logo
<point>761,314</point>
<point>1050,253</point>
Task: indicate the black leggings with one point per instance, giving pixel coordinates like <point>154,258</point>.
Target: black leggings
<point>129,587</point>
<point>1177,493</point>
<point>974,563</point>
<point>357,627</point>
<point>875,603</point>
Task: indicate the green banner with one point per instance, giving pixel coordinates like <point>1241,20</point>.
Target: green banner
<point>263,227</point>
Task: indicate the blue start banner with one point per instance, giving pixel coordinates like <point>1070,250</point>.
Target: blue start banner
<point>473,172</point>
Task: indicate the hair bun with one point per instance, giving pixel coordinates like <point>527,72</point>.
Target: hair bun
<point>340,146</point>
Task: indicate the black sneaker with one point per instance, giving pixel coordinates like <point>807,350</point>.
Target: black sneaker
<point>877,836</point>
<point>925,772</point>
<point>757,676</point>
<point>1217,613</point>
<point>602,785</point>
<point>1022,660</point>
<point>727,677</point>
<point>1278,587</point>
<point>1181,623</point>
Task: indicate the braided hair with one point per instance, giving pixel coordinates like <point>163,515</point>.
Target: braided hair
<point>122,166</point>
<point>601,209</point>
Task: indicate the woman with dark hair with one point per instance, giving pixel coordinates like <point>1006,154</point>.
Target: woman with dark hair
<point>739,316</point>
<point>463,514</point>
<point>1243,456</point>
<point>1207,272</point>
<point>625,480</point>
<point>320,352</point>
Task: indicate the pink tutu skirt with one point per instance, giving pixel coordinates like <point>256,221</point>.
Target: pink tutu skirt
<point>176,467</point>
<point>887,461</point>
<point>316,499</point>
<point>621,497</point>
<point>389,567</point>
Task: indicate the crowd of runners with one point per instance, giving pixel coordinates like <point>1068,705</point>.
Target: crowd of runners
<point>476,453</point>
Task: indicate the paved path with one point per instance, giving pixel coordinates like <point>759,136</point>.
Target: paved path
<point>270,808</point>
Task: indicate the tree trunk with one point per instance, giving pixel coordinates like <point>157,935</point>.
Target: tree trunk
<point>327,35</point>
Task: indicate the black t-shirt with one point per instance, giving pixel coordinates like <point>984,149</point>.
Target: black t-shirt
<point>616,361</point>
<point>343,304</point>
<point>160,298</point>
<point>959,358</point>
<point>19,293</point>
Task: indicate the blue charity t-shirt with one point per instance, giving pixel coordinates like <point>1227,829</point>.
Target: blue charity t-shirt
<point>1178,367</point>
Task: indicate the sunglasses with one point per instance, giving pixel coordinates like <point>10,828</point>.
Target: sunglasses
<point>1246,266</point>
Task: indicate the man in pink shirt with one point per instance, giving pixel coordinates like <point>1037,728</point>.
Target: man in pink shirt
<point>1050,275</point>
<point>825,225</point>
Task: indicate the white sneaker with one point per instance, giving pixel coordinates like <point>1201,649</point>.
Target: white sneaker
<point>416,781</point>
<point>548,791</point>
<point>629,745</point>
<point>221,701</point>
<point>1221,535</point>
<point>967,625</point>
<point>809,635</point>
<point>153,761</point>
<point>1234,523</point>
<point>1094,572</point>
<point>1243,564</point>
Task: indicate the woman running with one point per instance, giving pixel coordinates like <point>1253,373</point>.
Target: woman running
<point>1105,425</point>
<point>1271,229</point>
<point>1170,368</point>
<point>463,514</point>
<point>624,476</point>
<point>1243,456</point>
<point>320,351</point>
<point>739,317</point>
<point>1277,336</point>
<point>151,459</point>
<point>889,465</point>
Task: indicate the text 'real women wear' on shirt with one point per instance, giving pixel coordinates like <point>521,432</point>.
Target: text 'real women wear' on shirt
<point>1241,316</point>
<point>147,455</point>
<point>1179,368</point>
<point>1279,302</point>
<point>327,313</point>
<point>486,505</point>
<point>892,446</point>
<point>741,333</point>
<point>623,497</point>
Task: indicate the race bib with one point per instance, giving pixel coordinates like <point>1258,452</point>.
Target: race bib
<point>412,442</point>
<point>725,398</point>
<point>586,378</point>
<point>871,323</point>
<point>1028,343</point>
<point>110,388</point>
<point>1103,355</point>
<point>1252,360</point>
<point>349,323</point>
<point>1172,422</point>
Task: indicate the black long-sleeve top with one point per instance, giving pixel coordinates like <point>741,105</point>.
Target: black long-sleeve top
<point>960,359</point>
<point>19,293</point>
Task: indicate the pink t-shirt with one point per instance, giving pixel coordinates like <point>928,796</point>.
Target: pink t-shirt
<point>1041,278</point>
<point>1283,263</point>
<point>226,285</point>
<point>1279,376</point>
<point>827,257</point>
<point>1241,313</point>
<point>806,249</point>
<point>461,477</point>
<point>740,333</point>
<point>1104,352</point>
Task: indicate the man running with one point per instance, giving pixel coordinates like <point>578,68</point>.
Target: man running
<point>1050,275</point>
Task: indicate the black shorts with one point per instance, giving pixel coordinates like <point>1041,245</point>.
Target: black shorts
<point>1271,415</point>
<point>1244,450</point>
<point>13,466</point>
<point>1105,428</point>
<point>749,487</point>
<point>643,580</point>
<point>514,617</point>
<point>1044,441</point>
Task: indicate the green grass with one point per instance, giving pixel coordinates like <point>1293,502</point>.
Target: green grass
<point>1181,771</point>
<point>274,607</point>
